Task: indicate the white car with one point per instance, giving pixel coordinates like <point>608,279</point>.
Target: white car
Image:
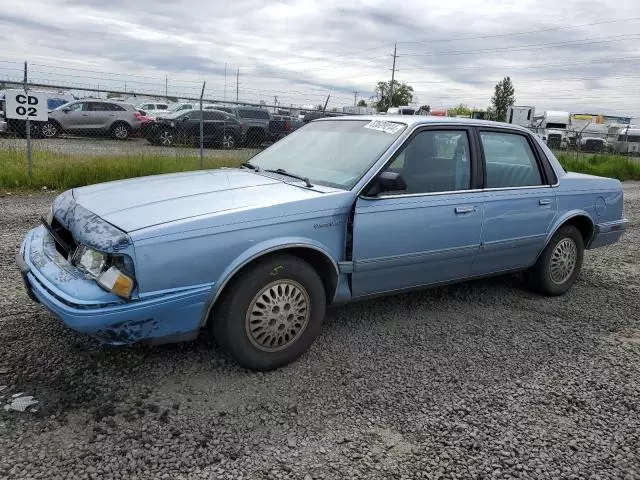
<point>154,109</point>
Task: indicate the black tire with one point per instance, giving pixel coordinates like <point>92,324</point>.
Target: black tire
<point>50,129</point>
<point>555,257</point>
<point>120,131</point>
<point>164,137</point>
<point>231,323</point>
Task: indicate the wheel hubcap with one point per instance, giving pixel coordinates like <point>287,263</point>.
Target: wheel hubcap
<point>563,260</point>
<point>121,132</point>
<point>166,138</point>
<point>277,315</point>
<point>48,130</point>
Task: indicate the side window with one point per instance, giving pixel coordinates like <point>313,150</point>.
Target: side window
<point>162,106</point>
<point>194,115</point>
<point>208,115</point>
<point>435,161</point>
<point>78,107</point>
<point>510,162</point>
<point>98,107</point>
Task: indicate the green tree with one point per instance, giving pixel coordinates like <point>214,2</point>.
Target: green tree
<point>503,98</point>
<point>402,95</point>
<point>461,109</point>
<point>362,103</point>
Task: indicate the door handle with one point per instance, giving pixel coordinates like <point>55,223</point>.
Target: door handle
<point>85,114</point>
<point>461,210</point>
<point>544,201</point>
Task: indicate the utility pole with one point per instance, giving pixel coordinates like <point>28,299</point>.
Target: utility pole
<point>275,104</point>
<point>393,74</point>
<point>355,98</point>
<point>166,86</point>
<point>237,82</point>
<point>225,81</point>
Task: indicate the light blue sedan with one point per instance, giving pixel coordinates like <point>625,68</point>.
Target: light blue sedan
<point>342,209</point>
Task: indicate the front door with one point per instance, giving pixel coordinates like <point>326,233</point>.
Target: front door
<point>520,203</point>
<point>427,233</point>
<point>74,116</point>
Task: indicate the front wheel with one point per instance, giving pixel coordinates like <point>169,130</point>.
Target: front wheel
<point>271,313</point>
<point>559,265</point>
<point>228,141</point>
<point>50,130</point>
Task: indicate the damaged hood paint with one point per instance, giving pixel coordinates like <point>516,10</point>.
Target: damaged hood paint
<point>139,203</point>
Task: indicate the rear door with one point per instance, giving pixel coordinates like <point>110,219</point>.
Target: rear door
<point>519,201</point>
<point>98,116</point>
<point>213,125</point>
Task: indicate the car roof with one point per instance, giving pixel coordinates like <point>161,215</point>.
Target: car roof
<point>413,120</point>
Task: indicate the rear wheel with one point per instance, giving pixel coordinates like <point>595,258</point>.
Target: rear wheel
<point>120,131</point>
<point>271,313</point>
<point>559,265</point>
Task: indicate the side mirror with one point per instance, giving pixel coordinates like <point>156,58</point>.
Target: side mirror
<point>387,181</point>
<point>391,182</point>
<point>66,110</point>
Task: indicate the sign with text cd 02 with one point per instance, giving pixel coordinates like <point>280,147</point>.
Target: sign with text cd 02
<point>32,105</point>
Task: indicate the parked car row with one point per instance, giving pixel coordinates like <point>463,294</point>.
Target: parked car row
<point>163,123</point>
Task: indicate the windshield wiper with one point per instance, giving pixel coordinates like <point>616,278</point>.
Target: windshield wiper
<point>250,166</point>
<point>282,171</point>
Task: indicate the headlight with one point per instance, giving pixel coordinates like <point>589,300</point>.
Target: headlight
<point>114,273</point>
<point>89,260</point>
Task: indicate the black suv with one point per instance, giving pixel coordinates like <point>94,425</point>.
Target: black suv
<point>183,127</point>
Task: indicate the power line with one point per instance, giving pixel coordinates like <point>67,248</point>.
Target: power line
<point>585,41</point>
<point>512,34</point>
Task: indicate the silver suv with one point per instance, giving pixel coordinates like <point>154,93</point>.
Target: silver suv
<point>93,117</point>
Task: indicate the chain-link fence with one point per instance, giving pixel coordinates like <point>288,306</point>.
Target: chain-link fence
<point>623,140</point>
<point>137,132</point>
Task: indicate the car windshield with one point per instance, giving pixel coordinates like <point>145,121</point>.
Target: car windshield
<point>336,153</point>
<point>176,107</point>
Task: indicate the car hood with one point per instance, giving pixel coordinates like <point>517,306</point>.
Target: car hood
<point>143,202</point>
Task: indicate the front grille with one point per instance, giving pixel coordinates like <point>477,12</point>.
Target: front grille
<point>593,145</point>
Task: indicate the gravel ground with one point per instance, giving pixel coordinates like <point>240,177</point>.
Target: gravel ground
<point>480,380</point>
<point>105,147</point>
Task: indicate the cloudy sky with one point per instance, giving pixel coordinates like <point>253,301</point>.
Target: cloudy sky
<point>571,55</point>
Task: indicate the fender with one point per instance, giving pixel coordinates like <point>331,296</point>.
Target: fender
<point>563,219</point>
<point>255,252</point>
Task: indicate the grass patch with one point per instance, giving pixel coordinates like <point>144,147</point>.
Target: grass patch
<point>614,166</point>
<point>61,171</point>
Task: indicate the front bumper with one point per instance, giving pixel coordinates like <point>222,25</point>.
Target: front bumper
<point>84,307</point>
<point>608,233</point>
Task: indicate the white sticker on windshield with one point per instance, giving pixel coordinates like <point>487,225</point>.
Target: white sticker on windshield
<point>384,126</point>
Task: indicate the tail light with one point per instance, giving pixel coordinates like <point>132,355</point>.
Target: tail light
<point>138,115</point>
